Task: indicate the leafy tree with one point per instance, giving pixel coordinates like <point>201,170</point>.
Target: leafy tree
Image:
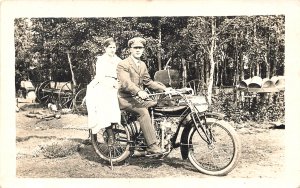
<point>218,50</point>
<point>227,42</point>
<point>205,38</point>
<point>23,44</point>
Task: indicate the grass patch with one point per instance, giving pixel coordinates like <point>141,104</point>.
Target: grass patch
<point>58,150</point>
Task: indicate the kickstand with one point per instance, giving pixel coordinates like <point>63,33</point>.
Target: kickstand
<point>110,158</point>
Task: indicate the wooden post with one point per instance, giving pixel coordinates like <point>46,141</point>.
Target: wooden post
<point>74,84</point>
<point>71,69</point>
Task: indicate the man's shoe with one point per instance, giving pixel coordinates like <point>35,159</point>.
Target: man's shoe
<point>154,149</point>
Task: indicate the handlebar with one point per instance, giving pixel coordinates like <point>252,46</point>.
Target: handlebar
<point>175,92</point>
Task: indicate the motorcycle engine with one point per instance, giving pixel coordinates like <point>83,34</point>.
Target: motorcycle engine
<point>166,128</point>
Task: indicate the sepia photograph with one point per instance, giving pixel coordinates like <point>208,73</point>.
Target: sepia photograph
<point>136,97</point>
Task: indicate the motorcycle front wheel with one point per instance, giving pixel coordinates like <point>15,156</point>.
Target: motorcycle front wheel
<point>118,150</point>
<point>220,155</point>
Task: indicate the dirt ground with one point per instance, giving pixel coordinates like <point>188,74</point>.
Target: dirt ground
<point>262,152</point>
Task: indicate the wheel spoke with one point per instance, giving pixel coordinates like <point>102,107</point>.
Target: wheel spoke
<point>117,151</point>
<point>65,96</point>
<point>216,156</point>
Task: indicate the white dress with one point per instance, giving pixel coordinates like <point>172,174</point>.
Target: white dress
<point>101,96</point>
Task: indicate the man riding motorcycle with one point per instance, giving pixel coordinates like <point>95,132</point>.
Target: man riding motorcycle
<point>133,77</point>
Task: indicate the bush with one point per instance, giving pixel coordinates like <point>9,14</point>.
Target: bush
<point>57,150</point>
<point>259,108</point>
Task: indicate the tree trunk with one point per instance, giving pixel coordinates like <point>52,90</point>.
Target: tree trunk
<point>236,67</point>
<point>217,74</point>
<point>159,45</point>
<point>237,71</point>
<point>222,72</point>
<point>243,68</point>
<point>273,71</point>
<point>211,59</point>
<point>222,68</point>
<point>207,68</point>
<point>267,66</point>
<point>202,69</point>
<point>257,69</point>
<point>211,75</point>
<point>267,59</point>
<point>225,71</point>
<point>242,74</point>
<point>184,72</point>
<point>197,71</point>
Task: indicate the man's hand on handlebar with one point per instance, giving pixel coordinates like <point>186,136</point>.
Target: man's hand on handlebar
<point>172,91</point>
<point>168,90</point>
<point>143,94</point>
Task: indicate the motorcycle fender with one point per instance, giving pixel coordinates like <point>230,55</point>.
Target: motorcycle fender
<point>215,115</point>
<point>184,148</point>
<point>187,124</point>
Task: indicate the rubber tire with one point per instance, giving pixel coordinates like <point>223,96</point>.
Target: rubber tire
<point>237,149</point>
<point>126,153</point>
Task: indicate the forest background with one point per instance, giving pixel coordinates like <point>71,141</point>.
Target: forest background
<point>219,50</point>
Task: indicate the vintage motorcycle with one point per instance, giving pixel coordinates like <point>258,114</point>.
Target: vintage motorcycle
<point>181,119</point>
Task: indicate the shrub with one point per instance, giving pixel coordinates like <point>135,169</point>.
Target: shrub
<point>57,150</point>
<point>258,108</point>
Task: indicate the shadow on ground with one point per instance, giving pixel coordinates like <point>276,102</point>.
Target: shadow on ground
<point>87,152</point>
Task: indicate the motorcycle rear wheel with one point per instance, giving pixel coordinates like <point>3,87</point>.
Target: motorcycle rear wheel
<point>118,151</point>
<point>221,156</point>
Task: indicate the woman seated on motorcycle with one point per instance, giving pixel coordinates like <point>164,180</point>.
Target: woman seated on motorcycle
<point>101,98</point>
